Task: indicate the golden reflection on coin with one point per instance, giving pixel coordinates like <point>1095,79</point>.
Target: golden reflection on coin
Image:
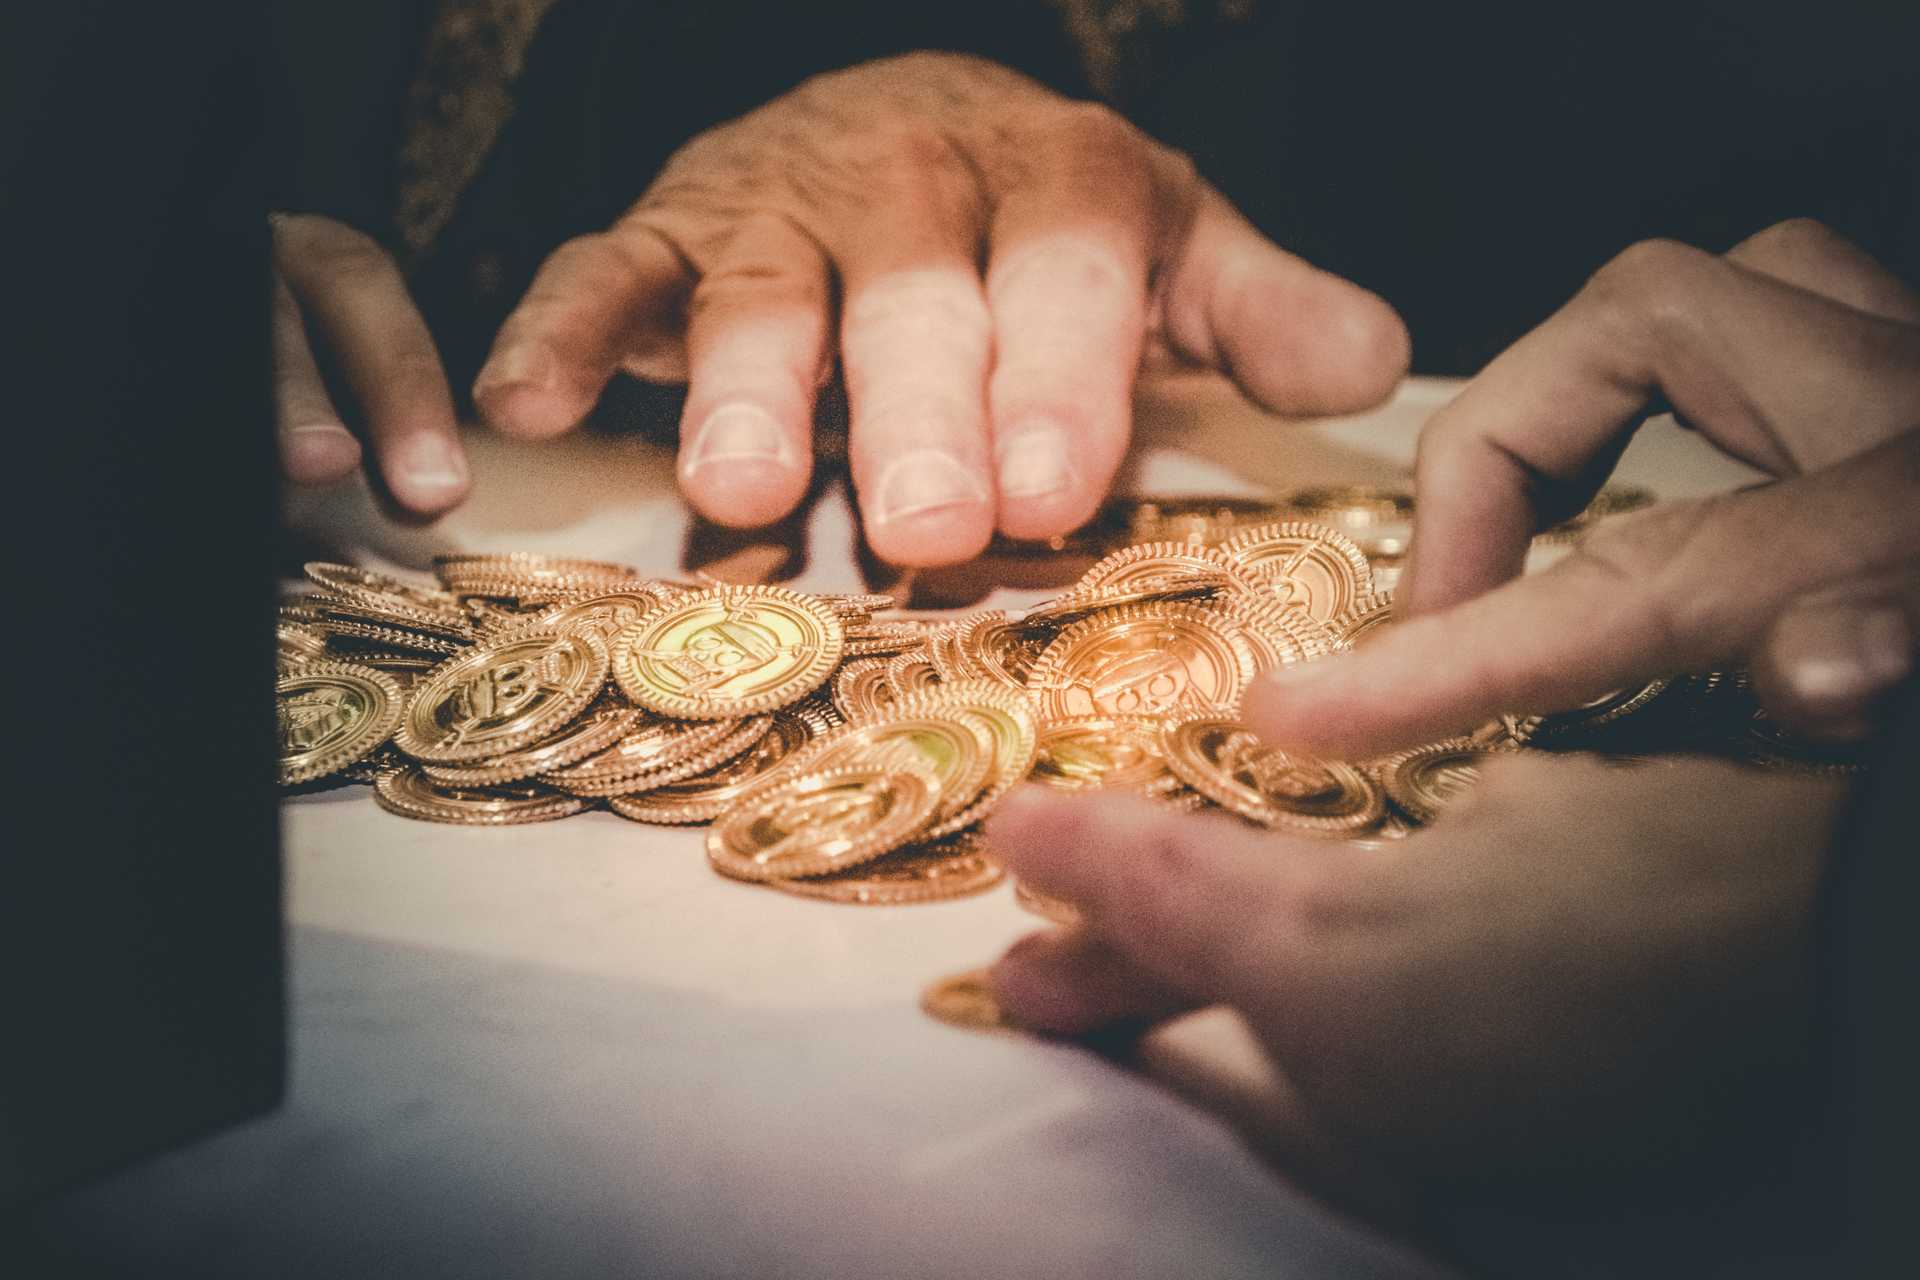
<point>1153,562</point>
<point>1226,763</point>
<point>707,796</point>
<point>596,729</point>
<point>958,752</point>
<point>1601,711</point>
<point>331,714</point>
<point>1045,905</point>
<point>1425,780</point>
<point>1009,722</point>
<point>727,652</point>
<point>1100,751</point>
<point>1364,618</point>
<point>412,794</point>
<point>1352,506</point>
<point>953,868</point>
<point>502,696</point>
<point>821,822</point>
<point>742,736</point>
<point>966,1000</point>
<point>1305,566</point>
<point>1144,660</point>
<point>860,687</point>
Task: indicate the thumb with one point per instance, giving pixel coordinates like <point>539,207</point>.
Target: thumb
<point>1682,587</point>
<point>1187,909</point>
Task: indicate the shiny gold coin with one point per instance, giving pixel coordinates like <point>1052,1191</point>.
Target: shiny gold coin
<point>953,868</point>
<point>388,598</point>
<point>1226,763</point>
<point>958,752</point>
<point>1304,566</point>
<point>412,794</point>
<point>1351,506</point>
<point>1207,520</point>
<point>297,642</point>
<point>887,637</point>
<point>727,652</point>
<point>996,648</point>
<point>1602,711</point>
<point>966,1000</point>
<point>1364,617</point>
<point>1082,603</point>
<point>605,615</point>
<point>707,796</point>
<point>943,650</point>
<point>597,728</point>
<point>502,697</point>
<point>655,746</point>
<point>351,634</point>
<point>1090,752</point>
<point>821,822</point>
<point>1277,635</point>
<point>332,714</point>
<point>1045,905</point>
<point>1153,562</point>
<point>911,673</point>
<point>860,687</point>
<point>1009,722</point>
<point>743,735</point>
<point>1145,660</point>
<point>409,669</point>
<point>1425,780</point>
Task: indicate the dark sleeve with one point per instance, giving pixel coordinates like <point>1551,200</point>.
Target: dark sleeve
<point>613,87</point>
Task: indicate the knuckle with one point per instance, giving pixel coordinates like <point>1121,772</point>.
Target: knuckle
<point>1806,238</point>
<point>920,306</point>
<point>1090,126</point>
<point>1644,292</point>
<point>1655,560</point>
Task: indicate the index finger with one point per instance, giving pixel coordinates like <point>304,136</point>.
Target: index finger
<point>1682,587</point>
<point>1778,376</point>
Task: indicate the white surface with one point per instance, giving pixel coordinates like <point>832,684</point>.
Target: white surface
<point>571,1049</point>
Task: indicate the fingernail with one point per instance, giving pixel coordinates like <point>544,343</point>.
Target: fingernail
<point>922,482</point>
<point>1830,679</point>
<point>1034,462</point>
<point>321,448</point>
<point>525,364</point>
<point>737,433</point>
<point>433,463</point>
<point>1886,646</point>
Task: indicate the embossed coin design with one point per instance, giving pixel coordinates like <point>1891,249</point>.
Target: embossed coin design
<point>330,715</point>
<point>1425,780</point>
<point>1100,751</point>
<point>502,696</point>
<point>1306,566</point>
<point>1144,660</point>
<point>1225,762</point>
<point>727,652</point>
<point>821,822</point>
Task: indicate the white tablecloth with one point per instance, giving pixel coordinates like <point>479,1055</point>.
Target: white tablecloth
<point>573,1050</point>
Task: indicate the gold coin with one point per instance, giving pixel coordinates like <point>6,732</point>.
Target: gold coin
<point>1082,603</point>
<point>911,673</point>
<point>967,1000</point>
<point>1200,519</point>
<point>996,648</point>
<point>345,634</point>
<point>703,798</point>
<point>297,642</point>
<point>332,714</point>
<point>889,637</point>
<point>1144,660</point>
<point>1351,506</point>
<point>1601,711</point>
<point>1277,635</point>
<point>958,752</point>
<point>1088,752</point>
<point>953,868</point>
<point>1152,562</point>
<point>1425,780</point>
<point>742,736</point>
<point>1365,616</point>
<point>654,746</point>
<point>1008,720</point>
<point>821,822</point>
<point>502,696</point>
<point>1045,905</point>
<point>598,728</point>
<point>943,651</point>
<point>1304,566</point>
<point>362,594</point>
<point>860,687</point>
<point>1226,763</point>
<point>412,794</point>
<point>605,615</point>
<point>727,652</point>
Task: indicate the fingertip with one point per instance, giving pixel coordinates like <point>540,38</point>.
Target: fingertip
<point>318,453</point>
<point>1037,990</point>
<point>1316,346</point>
<point>1825,666</point>
<point>1046,486</point>
<point>741,467</point>
<point>927,508</point>
<point>427,473</point>
<point>1305,707</point>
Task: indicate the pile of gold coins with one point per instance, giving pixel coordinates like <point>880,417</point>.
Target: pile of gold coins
<point>841,749</point>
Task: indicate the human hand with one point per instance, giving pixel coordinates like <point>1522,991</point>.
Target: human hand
<point>985,257</point>
<point>335,286</point>
<point>1579,968</point>
<point>1795,352</point>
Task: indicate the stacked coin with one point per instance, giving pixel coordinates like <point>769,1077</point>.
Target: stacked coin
<point>841,749</point>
